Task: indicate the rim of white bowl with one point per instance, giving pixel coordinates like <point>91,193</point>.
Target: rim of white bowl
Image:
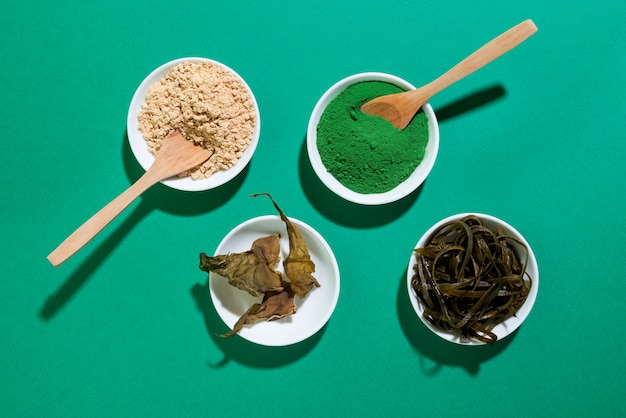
<point>503,329</point>
<point>405,188</point>
<point>139,146</point>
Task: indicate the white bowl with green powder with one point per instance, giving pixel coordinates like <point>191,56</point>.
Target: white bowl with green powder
<point>363,158</point>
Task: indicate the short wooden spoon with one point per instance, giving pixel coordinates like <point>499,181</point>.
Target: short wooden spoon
<point>400,108</point>
<point>176,155</point>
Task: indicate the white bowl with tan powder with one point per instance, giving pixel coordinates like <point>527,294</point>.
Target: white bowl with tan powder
<point>209,104</point>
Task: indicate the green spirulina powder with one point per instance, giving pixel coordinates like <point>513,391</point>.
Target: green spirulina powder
<point>365,153</point>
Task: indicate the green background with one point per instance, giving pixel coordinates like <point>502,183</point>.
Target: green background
<point>126,328</point>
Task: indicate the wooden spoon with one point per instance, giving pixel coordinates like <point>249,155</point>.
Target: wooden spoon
<point>176,155</point>
<point>399,108</point>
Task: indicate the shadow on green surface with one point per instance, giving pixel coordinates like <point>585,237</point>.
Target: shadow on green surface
<point>436,353</point>
<point>241,350</point>
<point>470,102</point>
<point>159,197</point>
<point>342,211</point>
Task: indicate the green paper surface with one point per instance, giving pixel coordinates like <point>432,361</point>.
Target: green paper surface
<point>126,327</point>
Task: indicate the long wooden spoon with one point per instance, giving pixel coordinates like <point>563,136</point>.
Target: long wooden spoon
<point>400,108</point>
<point>176,155</point>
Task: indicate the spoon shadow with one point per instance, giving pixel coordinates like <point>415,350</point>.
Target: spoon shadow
<point>470,102</point>
<point>56,301</point>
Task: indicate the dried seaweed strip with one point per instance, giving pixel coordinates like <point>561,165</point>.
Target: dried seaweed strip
<point>471,278</point>
<point>299,267</point>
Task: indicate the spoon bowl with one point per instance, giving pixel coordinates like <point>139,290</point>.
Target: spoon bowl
<point>399,108</point>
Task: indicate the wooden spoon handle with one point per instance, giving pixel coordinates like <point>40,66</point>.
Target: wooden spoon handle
<point>102,218</point>
<point>484,55</point>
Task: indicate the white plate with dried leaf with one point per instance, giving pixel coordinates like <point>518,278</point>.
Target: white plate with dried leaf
<point>312,312</point>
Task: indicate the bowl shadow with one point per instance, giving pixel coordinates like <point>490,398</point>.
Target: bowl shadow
<point>342,211</point>
<point>241,350</point>
<point>179,202</point>
<point>436,353</point>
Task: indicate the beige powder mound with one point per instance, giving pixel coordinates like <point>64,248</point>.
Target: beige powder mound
<point>209,105</point>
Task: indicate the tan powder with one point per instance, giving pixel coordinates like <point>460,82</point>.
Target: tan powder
<point>209,105</point>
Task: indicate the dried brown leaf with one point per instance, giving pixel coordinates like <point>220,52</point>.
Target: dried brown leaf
<point>253,270</point>
<point>298,264</point>
<point>275,305</point>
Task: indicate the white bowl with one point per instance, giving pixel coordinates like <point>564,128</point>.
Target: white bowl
<point>312,312</point>
<point>140,148</point>
<point>503,329</point>
<point>403,189</point>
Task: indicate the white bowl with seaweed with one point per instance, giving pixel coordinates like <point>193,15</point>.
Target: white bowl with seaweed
<point>312,312</point>
<point>476,293</point>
